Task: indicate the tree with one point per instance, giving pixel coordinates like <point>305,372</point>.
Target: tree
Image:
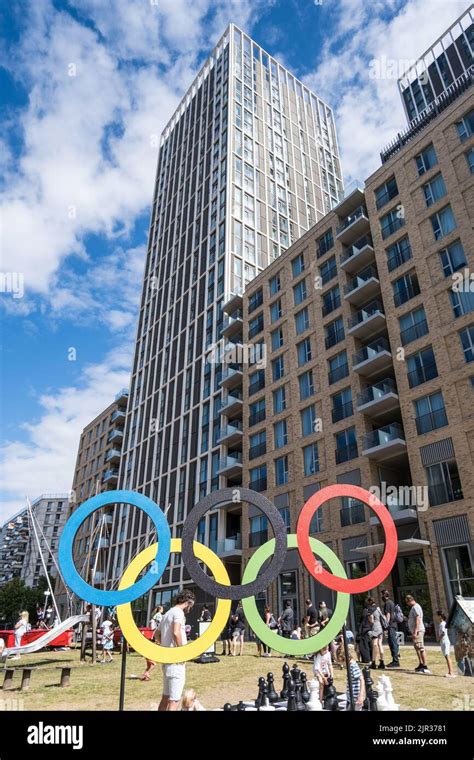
<point>16,597</point>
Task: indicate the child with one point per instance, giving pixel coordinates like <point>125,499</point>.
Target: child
<point>445,643</point>
<point>191,702</point>
<point>107,641</point>
<point>358,683</point>
<point>296,633</point>
<point>322,669</point>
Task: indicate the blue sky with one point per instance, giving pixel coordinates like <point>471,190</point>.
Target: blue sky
<point>87,87</point>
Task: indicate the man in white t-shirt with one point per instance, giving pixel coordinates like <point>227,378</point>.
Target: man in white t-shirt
<point>172,633</point>
<point>416,627</point>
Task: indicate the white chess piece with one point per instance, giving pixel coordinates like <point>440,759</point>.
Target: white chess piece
<point>267,707</point>
<point>314,703</point>
<point>381,699</point>
<point>388,693</point>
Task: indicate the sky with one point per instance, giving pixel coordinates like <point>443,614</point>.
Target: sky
<point>86,88</point>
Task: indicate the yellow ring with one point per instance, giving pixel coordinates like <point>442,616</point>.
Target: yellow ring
<point>171,655</point>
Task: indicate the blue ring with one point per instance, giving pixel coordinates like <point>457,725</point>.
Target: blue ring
<point>113,598</point>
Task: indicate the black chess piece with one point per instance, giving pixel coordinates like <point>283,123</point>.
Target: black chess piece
<point>371,698</point>
<point>291,706</point>
<point>227,707</point>
<point>286,681</point>
<point>330,701</point>
<point>241,707</point>
<point>295,673</point>
<point>272,695</point>
<point>261,685</point>
<point>296,677</point>
<point>304,688</point>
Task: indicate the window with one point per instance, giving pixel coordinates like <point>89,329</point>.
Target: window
<point>470,159</point>
<point>352,511</point>
<point>256,381</point>
<point>342,405</point>
<point>302,320</point>
<point>281,471</point>
<point>452,258</point>
<point>462,302</point>
<point>297,265</point>
<point>280,434</point>
<point>257,412</point>
<point>255,300</point>
<point>285,516</point>
<point>258,533</point>
<point>421,367</point>
<point>413,325</point>
<point>331,300</point>
<point>465,127</point>
<point>275,285</point>
<point>328,270</point>
<point>316,524</point>
<point>443,222</point>
<point>346,445</point>
<point>426,159</point>
<point>276,311</point>
<point>308,419</point>
<point>338,367</point>
<point>279,400</point>
<point>430,413</point>
<point>398,253</point>
<point>311,459</point>
<point>257,444</point>
<point>386,192</point>
<point>306,385</point>
<point>444,483</point>
<point>467,343</point>
<point>391,222</point>
<point>304,352</point>
<point>334,332</point>
<point>459,570</point>
<point>256,325</point>
<point>278,368</point>
<point>258,478</point>
<point>324,243</point>
<point>277,339</point>
<point>405,288</point>
<point>299,292</point>
<point>434,190</point>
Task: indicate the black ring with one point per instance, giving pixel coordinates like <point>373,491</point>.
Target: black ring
<point>207,584</point>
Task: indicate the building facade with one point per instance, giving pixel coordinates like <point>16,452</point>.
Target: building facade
<point>248,162</point>
<point>96,470</point>
<point>366,325</point>
<point>13,545</point>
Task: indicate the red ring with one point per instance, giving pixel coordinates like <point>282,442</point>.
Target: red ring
<point>347,585</point>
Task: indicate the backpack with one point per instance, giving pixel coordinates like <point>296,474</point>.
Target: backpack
<point>398,614</point>
<point>383,620</point>
<point>272,623</point>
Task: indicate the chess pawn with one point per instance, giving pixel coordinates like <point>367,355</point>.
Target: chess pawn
<point>272,695</point>
<point>388,688</point>
<point>381,699</point>
<point>286,681</point>
<point>370,692</point>
<point>314,704</point>
<point>330,697</point>
<point>295,673</point>
<point>267,707</point>
<point>240,707</point>
<point>261,685</point>
<point>291,707</point>
<point>304,687</point>
<point>227,707</point>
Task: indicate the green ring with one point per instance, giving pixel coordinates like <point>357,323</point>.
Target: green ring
<point>272,639</point>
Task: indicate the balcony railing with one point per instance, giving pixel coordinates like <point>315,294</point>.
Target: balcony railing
<point>256,386</point>
<point>353,250</point>
<point>352,515</point>
<point>345,453</point>
<point>112,454</point>
<point>229,544</point>
<point>371,350</point>
<point>406,293</point>
<point>259,485</point>
<point>258,450</point>
<point>399,258</point>
<point>431,421</point>
<point>342,411</point>
<point>422,374</point>
<point>366,313</point>
<point>331,305</point>
<point>392,226</point>
<point>442,493</point>
<point>417,330</point>
<point>376,391</point>
<point>119,414</point>
<point>360,279</point>
<point>258,537</point>
<point>337,374</point>
<point>257,417</point>
<point>357,214</point>
<point>334,337</point>
<point>383,436</point>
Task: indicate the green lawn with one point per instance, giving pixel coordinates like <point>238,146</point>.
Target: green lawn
<point>96,687</point>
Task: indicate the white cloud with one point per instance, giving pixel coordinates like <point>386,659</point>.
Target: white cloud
<point>44,462</point>
<point>368,110</point>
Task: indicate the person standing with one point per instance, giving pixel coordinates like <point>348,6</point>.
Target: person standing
<point>364,638</point>
<point>205,616</point>
<point>390,612</point>
<point>312,619</point>
<point>324,614</point>
<point>445,643</point>
<point>172,633</point>
<point>376,621</point>
<point>107,640</point>
<point>287,620</point>
<point>238,630</point>
<point>21,627</point>
<point>416,627</point>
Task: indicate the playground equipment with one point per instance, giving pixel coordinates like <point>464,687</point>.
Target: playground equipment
<point>47,638</point>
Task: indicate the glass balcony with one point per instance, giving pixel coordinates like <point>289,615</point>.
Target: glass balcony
<point>122,396</point>
<point>118,416</point>
<point>258,450</point>
<point>338,374</point>
<point>406,293</point>
<point>231,403</point>
<point>110,476</point>
<point>367,320</point>
<point>231,377</point>
<point>115,435</point>
<point>232,326</point>
<point>334,337</point>
<point>353,226</point>
<point>379,398</point>
<point>374,357</point>
<point>384,443</point>
<point>113,455</point>
<point>229,546</point>
<point>363,286</point>
<point>417,330</point>
<point>431,421</point>
<point>342,411</point>
<point>259,537</point>
<point>230,434</point>
<point>231,465</point>
<point>400,511</point>
<point>358,255</point>
<point>422,374</point>
<point>258,485</point>
<point>259,416</point>
<point>257,385</point>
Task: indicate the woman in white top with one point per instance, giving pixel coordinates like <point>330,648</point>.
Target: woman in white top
<point>21,627</point>
<point>445,643</point>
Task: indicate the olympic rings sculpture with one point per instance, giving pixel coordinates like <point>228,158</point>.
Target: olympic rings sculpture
<point>253,582</point>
